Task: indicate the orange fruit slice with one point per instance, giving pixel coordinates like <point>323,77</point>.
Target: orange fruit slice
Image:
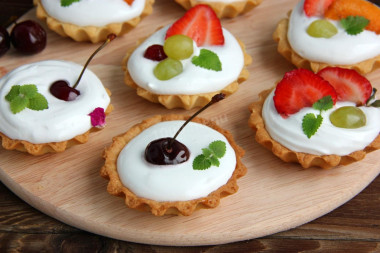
<point>340,9</point>
<point>129,1</point>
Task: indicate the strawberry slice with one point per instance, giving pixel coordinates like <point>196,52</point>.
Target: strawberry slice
<point>349,84</point>
<point>201,24</point>
<point>298,89</point>
<point>316,7</point>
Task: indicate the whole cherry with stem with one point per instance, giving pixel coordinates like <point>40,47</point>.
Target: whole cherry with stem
<point>61,88</point>
<point>169,151</point>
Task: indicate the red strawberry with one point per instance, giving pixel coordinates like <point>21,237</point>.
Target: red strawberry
<point>298,89</point>
<point>201,24</point>
<point>349,84</point>
<point>316,7</point>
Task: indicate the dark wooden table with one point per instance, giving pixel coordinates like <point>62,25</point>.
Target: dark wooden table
<point>353,227</point>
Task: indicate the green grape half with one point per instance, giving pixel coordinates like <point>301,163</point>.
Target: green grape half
<point>178,47</point>
<point>322,28</point>
<point>167,69</point>
<point>348,117</point>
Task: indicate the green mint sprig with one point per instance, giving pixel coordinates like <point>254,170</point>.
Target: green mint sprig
<point>354,24</point>
<point>65,3</point>
<point>26,96</point>
<point>376,103</point>
<point>311,122</point>
<point>210,156</point>
<point>207,59</point>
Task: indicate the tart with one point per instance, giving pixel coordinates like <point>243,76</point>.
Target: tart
<point>85,20</point>
<point>45,123</point>
<point>333,43</point>
<point>175,189</point>
<point>223,9</point>
<point>214,62</point>
<point>312,126</point>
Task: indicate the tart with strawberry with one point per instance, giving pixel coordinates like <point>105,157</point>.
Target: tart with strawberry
<point>185,64</point>
<point>223,8</point>
<point>325,119</point>
<point>163,170</point>
<point>320,33</point>
<point>51,105</point>
<point>92,20</point>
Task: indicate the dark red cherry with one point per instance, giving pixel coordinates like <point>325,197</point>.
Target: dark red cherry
<point>5,41</point>
<point>62,90</point>
<point>155,53</point>
<point>158,152</point>
<point>377,2</point>
<point>28,37</point>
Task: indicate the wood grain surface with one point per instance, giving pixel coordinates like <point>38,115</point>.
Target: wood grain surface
<point>273,197</point>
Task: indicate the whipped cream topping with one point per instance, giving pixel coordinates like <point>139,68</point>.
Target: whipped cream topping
<point>193,79</point>
<point>62,120</point>
<point>174,182</point>
<point>342,48</point>
<point>329,139</point>
<point>94,12</point>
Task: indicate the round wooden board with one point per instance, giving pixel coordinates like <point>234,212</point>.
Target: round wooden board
<point>274,196</point>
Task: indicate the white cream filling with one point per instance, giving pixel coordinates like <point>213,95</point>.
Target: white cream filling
<point>62,120</point>
<point>193,79</point>
<point>174,182</point>
<point>94,12</point>
<point>329,140</point>
<point>341,49</point>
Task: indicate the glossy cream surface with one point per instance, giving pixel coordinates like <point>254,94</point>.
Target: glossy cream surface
<point>329,140</point>
<point>94,12</point>
<point>193,79</point>
<point>174,182</point>
<point>342,48</point>
<point>62,120</point>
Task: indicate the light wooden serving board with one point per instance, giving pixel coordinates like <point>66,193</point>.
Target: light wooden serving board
<point>274,196</point>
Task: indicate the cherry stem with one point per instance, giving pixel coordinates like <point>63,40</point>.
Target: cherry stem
<point>110,37</point>
<point>216,98</point>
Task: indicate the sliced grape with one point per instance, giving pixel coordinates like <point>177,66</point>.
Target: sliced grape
<point>167,69</point>
<point>322,28</point>
<point>348,117</point>
<point>178,47</point>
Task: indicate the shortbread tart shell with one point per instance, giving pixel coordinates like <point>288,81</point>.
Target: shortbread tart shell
<point>223,9</point>
<point>116,188</point>
<point>284,48</point>
<point>187,102</point>
<point>93,34</point>
<point>262,136</point>
<point>51,147</point>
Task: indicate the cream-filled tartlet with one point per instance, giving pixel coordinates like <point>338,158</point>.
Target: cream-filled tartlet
<point>223,8</point>
<point>324,120</point>
<point>34,120</point>
<point>92,20</point>
<point>314,38</point>
<point>200,173</point>
<point>183,66</point>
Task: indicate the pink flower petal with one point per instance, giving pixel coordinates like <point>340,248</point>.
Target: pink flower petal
<point>98,117</point>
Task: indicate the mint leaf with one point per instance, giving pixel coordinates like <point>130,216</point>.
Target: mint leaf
<point>201,163</point>
<point>208,60</point>
<point>218,148</point>
<point>210,156</point>
<point>206,152</point>
<point>38,103</point>
<point>26,96</point>
<point>29,90</point>
<point>354,24</point>
<point>214,161</point>
<point>65,3</point>
<point>324,104</point>
<point>310,124</point>
<point>14,92</point>
<point>18,104</point>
